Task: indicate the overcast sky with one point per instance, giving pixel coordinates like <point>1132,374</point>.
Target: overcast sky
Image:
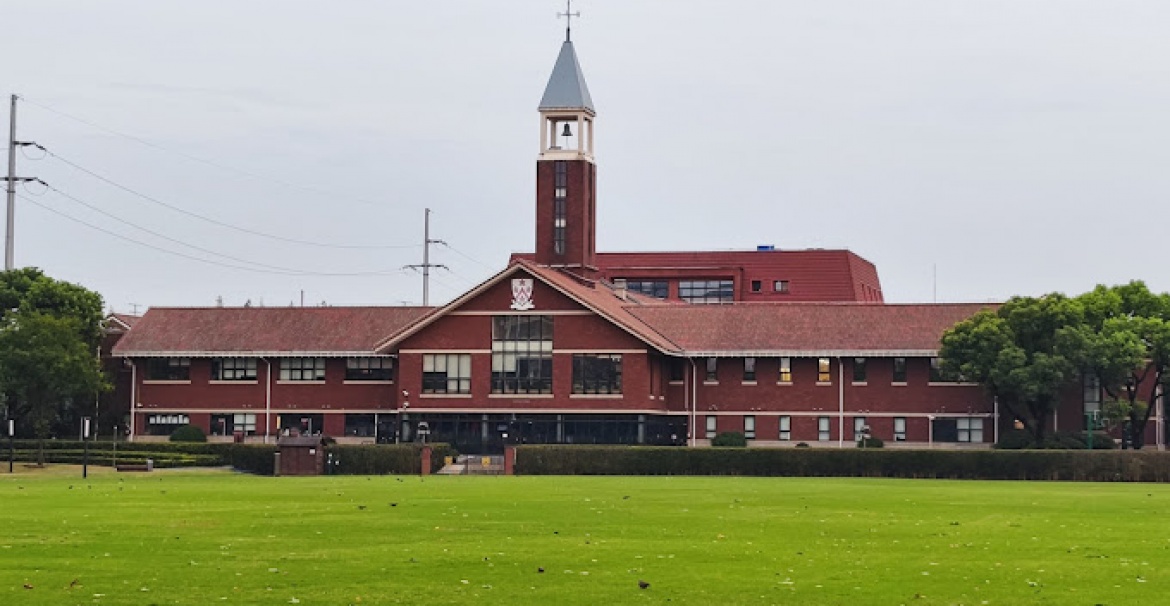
<point>1018,146</point>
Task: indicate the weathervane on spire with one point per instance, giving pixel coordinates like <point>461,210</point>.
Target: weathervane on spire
<point>568,15</point>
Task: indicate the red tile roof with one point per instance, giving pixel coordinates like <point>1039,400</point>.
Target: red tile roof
<point>263,330</point>
<point>805,328</point>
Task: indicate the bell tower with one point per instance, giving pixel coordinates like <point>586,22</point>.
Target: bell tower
<point>566,177</point>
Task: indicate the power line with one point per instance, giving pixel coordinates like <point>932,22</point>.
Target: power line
<point>180,242</point>
<point>212,163</point>
<point>466,256</point>
<point>253,232</point>
<point>192,257</point>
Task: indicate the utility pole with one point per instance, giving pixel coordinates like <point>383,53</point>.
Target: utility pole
<point>12,179</point>
<point>426,264</point>
<point>8,244</point>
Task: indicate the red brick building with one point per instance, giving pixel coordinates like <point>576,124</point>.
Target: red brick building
<point>568,345</point>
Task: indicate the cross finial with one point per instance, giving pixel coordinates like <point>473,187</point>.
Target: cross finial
<point>568,15</point>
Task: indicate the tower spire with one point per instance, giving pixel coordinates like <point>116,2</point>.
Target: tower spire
<point>568,15</point>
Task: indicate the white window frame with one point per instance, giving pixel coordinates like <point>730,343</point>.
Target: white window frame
<point>899,429</point>
<point>302,369</point>
<point>712,426</point>
<point>859,424</point>
<point>749,427</point>
<point>970,429</point>
<point>824,429</point>
<point>785,428</point>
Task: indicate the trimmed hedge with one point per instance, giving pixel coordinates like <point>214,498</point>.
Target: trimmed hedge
<point>382,459</point>
<point>188,433</point>
<point>732,439</point>
<point>1111,466</point>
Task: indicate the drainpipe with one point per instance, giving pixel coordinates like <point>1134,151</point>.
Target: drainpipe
<point>995,415</point>
<point>840,402</point>
<point>267,398</point>
<point>133,396</point>
<point>694,403</point>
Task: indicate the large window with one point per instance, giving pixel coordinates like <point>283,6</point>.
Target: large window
<point>560,198</point>
<point>749,370</point>
<point>707,291</point>
<point>369,369</point>
<point>651,288</point>
<point>785,428</point>
<point>168,369</point>
<point>522,354</point>
<point>824,429</point>
<point>970,429</point>
<point>227,424</point>
<point>302,369</point>
<point>899,370</point>
<point>233,369</point>
<point>824,370</point>
<point>165,425</point>
<point>785,370</point>
<point>446,373</point>
<point>597,373</point>
<point>360,425</point>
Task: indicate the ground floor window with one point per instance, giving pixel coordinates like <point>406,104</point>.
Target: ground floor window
<point>824,429</point>
<point>245,423</point>
<point>359,426</point>
<point>165,425</point>
<point>300,424</point>
<point>859,428</point>
<point>749,427</point>
<point>970,430</point>
<point>489,433</point>
<point>899,429</point>
<point>785,428</point>
<point>711,426</point>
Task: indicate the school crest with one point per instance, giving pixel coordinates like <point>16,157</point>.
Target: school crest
<point>522,294</point>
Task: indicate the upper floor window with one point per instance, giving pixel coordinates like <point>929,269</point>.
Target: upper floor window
<point>785,370</point>
<point>780,286</point>
<point>659,289</point>
<point>1092,393</point>
<point>446,373</point>
<point>824,370</point>
<point>712,370</point>
<point>938,376</point>
<point>677,369</point>
<point>168,369</point>
<point>597,373</point>
<point>859,370</point>
<point>757,285</point>
<point>233,369</point>
<point>560,195</point>
<point>707,291</point>
<point>749,369</point>
<point>369,369</point>
<point>302,369</point>
<point>522,354</point>
<point>899,370</point>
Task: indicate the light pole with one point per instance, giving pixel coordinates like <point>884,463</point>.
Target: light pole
<point>11,444</point>
<point>85,440</point>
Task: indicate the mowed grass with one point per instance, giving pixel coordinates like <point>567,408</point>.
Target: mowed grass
<point>205,537</point>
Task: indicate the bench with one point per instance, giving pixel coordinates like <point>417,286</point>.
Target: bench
<point>135,467</point>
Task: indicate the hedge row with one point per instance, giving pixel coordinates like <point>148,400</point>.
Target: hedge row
<point>105,458</point>
<point>1103,466</point>
<point>381,459</point>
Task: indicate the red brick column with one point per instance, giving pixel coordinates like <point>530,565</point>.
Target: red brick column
<point>425,453</point>
<point>509,460</point>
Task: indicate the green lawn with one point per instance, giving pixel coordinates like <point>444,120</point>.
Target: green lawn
<point>200,537</point>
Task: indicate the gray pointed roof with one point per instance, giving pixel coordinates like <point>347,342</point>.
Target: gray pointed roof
<point>566,86</point>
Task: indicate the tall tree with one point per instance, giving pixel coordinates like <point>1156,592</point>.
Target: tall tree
<point>45,367</point>
<point>1019,353</point>
<point>1125,343</point>
<point>30,301</point>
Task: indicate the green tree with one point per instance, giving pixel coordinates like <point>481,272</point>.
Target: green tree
<point>1125,342</point>
<point>40,318</point>
<point>45,367</point>
<point>1021,353</point>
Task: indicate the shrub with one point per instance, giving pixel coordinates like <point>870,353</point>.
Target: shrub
<point>803,445</point>
<point>188,433</point>
<point>871,442</point>
<point>1134,466</point>
<point>380,459</point>
<point>730,438</point>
